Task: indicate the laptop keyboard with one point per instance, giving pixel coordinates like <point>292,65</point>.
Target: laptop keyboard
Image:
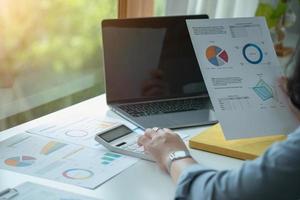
<point>152,108</point>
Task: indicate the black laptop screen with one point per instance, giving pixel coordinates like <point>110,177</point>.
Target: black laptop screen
<point>150,58</point>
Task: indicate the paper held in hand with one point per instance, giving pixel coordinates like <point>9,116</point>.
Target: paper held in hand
<point>240,70</point>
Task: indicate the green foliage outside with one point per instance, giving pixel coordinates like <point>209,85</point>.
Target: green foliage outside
<point>159,7</point>
<point>52,33</point>
<point>272,13</point>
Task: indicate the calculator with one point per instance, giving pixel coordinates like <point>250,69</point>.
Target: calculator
<point>123,140</point>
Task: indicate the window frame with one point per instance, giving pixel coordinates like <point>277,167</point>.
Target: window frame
<point>135,8</point>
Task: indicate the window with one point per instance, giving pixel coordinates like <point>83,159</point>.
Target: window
<point>214,8</point>
<point>50,55</point>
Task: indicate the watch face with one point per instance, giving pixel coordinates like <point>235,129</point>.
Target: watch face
<point>178,155</point>
<point>172,155</point>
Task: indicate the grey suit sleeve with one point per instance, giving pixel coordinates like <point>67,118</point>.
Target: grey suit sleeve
<point>274,175</point>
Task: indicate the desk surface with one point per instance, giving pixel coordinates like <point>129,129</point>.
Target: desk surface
<point>144,180</point>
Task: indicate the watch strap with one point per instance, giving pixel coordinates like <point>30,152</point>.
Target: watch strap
<point>177,155</point>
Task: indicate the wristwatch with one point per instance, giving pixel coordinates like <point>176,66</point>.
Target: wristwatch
<point>177,155</point>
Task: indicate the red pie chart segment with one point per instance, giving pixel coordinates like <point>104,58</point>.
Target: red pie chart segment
<point>224,56</point>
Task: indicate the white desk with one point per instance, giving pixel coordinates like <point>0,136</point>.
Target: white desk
<point>142,181</point>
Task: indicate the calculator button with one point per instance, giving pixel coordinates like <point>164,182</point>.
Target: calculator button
<point>140,150</point>
<point>131,148</point>
<point>131,142</point>
<point>135,146</point>
<point>121,144</point>
<point>124,147</point>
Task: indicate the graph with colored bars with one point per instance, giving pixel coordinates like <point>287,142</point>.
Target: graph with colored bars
<point>62,162</point>
<point>108,158</point>
<point>51,147</point>
<point>216,56</point>
<point>263,90</point>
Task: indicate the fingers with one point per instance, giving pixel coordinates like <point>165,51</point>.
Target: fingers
<point>143,140</point>
<point>166,130</point>
<point>163,131</point>
<point>170,132</point>
<point>283,84</point>
<point>148,135</point>
<point>149,132</point>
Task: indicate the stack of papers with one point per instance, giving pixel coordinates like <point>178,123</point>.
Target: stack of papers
<point>66,154</point>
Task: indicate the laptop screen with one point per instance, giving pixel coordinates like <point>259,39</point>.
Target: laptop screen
<point>150,58</point>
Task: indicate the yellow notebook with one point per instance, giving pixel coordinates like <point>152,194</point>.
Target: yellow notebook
<point>213,140</point>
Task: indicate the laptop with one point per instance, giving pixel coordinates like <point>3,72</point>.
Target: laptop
<point>151,73</point>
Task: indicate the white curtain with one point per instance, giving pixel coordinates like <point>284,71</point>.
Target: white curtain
<point>214,8</point>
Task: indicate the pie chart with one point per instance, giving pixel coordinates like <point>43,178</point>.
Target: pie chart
<point>252,53</point>
<point>78,174</point>
<point>20,161</point>
<point>76,133</point>
<point>216,55</point>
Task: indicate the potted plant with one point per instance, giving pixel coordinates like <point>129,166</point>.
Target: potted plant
<point>279,15</point>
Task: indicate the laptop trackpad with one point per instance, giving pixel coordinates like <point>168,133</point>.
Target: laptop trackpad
<point>178,120</point>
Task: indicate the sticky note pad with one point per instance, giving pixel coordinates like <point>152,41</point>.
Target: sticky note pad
<point>213,140</point>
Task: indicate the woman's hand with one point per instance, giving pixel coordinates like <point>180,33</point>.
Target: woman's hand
<point>283,81</point>
<point>160,144</point>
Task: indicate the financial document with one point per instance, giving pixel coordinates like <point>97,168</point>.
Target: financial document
<point>79,131</point>
<point>82,131</point>
<point>240,70</point>
<point>31,191</point>
<point>59,161</point>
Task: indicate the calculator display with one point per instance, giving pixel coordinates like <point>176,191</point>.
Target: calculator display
<point>115,133</point>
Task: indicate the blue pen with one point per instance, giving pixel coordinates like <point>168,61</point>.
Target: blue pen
<point>8,194</point>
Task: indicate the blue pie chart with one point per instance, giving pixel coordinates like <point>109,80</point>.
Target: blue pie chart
<point>252,53</point>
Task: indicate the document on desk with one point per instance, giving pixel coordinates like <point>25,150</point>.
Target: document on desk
<point>240,70</point>
<point>68,163</point>
<point>31,191</point>
<point>82,131</point>
<point>79,131</point>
